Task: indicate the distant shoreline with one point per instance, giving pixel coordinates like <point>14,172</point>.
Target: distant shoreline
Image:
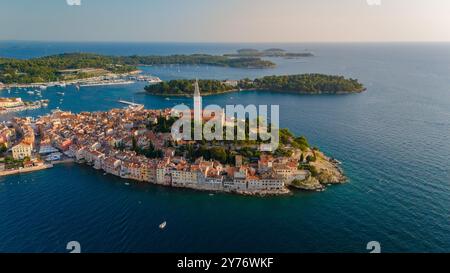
<point>257,89</point>
<point>98,80</point>
<point>69,66</point>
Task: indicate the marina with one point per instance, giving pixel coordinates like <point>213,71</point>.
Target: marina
<point>106,80</point>
<point>105,83</point>
<point>11,105</point>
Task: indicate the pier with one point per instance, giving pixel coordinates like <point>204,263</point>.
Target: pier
<point>132,105</point>
<point>129,103</point>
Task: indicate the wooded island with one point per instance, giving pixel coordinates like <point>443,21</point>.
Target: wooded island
<point>301,84</point>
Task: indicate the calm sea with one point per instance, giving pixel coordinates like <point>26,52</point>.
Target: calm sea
<point>393,141</point>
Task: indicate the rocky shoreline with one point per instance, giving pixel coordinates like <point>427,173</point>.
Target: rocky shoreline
<point>328,173</point>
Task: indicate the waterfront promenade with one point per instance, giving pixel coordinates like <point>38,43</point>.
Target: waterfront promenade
<point>25,170</point>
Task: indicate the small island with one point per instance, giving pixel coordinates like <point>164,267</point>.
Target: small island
<point>299,84</point>
<point>271,52</point>
<point>247,62</point>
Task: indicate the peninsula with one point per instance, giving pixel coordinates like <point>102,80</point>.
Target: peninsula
<point>135,143</point>
<point>72,66</point>
<point>300,84</point>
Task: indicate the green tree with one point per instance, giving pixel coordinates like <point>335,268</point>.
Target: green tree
<point>3,148</point>
<point>134,143</point>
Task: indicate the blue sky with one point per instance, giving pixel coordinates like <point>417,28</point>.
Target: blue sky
<point>226,20</point>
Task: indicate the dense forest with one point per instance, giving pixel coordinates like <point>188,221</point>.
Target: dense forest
<point>186,87</point>
<point>304,83</point>
<point>197,59</point>
<point>51,68</point>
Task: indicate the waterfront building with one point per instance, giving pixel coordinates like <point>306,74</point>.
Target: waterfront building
<point>148,172</point>
<point>161,172</point>
<point>163,176</point>
<point>259,184</point>
<point>228,185</point>
<point>210,182</point>
<point>237,184</point>
<point>79,153</point>
<point>134,170</point>
<point>22,150</point>
<point>54,156</point>
<point>125,169</point>
<point>283,171</point>
<point>184,176</point>
<point>299,175</point>
<point>10,102</point>
<point>111,165</point>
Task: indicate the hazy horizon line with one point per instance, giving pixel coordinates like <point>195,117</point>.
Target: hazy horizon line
<point>224,42</point>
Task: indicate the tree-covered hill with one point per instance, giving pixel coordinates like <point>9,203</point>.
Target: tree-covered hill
<point>55,67</point>
<point>302,84</point>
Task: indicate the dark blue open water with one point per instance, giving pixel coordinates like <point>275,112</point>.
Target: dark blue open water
<point>393,141</point>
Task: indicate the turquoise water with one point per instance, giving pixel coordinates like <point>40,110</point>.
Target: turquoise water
<point>393,141</point>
